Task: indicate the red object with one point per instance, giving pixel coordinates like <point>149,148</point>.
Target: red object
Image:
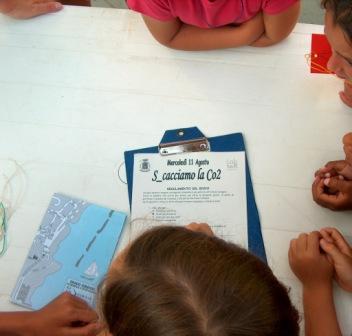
<point>320,54</point>
<point>206,13</point>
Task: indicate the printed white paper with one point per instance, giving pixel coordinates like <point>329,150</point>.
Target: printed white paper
<point>194,187</point>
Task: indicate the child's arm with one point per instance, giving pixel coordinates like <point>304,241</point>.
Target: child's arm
<point>314,270</point>
<point>278,27</point>
<point>55,319</point>
<point>319,312</point>
<point>177,35</point>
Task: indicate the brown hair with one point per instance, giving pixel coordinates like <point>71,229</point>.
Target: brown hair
<point>342,14</point>
<point>177,282</point>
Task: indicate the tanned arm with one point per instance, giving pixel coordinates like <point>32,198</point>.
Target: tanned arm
<point>278,27</point>
<point>177,35</point>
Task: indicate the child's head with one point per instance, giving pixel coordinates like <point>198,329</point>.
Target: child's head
<point>341,11</point>
<point>338,29</point>
<point>176,282</point>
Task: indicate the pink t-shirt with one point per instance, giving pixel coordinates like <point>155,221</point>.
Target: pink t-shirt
<point>208,14</point>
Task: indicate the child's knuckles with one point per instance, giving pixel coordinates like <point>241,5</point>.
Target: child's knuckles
<point>315,234</point>
<point>347,139</point>
<point>67,298</point>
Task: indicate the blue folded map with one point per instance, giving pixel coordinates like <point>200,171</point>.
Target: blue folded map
<point>71,252</point>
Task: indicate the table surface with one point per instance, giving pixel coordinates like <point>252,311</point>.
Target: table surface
<point>80,87</point>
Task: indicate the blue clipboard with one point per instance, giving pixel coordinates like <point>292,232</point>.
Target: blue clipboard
<point>192,137</point>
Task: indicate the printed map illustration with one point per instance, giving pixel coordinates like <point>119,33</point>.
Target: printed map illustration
<point>71,252</point>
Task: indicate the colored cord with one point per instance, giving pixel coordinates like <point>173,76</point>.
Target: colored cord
<point>3,230</point>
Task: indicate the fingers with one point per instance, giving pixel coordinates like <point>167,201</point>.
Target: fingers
<point>335,237</point>
<point>331,250</point>
<point>25,10</point>
<point>6,7</point>
<point>347,139</point>
<point>333,202</point>
<point>78,302</point>
<point>317,188</point>
<point>293,246</point>
<point>332,168</point>
<point>338,185</point>
<point>323,172</point>
<point>313,242</point>
<point>319,195</point>
<point>200,227</point>
<point>44,8</point>
<point>302,242</point>
<point>326,236</point>
<point>291,250</point>
<point>347,147</point>
<point>307,262</point>
<point>348,153</point>
<point>67,299</point>
<point>338,195</point>
<point>305,242</point>
<point>86,315</point>
<point>347,93</point>
<point>345,98</point>
<point>78,309</point>
<point>348,87</point>
<point>336,167</point>
<point>292,253</point>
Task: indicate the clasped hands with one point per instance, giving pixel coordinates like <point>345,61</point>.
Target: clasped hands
<point>332,187</point>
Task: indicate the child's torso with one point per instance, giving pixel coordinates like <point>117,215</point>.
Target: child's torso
<point>207,14</point>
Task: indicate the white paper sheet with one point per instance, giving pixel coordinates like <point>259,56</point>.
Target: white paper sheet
<point>194,187</point>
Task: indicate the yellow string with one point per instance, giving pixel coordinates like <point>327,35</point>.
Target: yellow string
<point>316,66</point>
<point>3,230</point>
<point>9,203</point>
<point>8,196</point>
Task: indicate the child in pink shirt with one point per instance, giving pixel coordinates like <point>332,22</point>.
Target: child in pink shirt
<point>215,24</point>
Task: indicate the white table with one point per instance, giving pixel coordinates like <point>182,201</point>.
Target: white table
<point>80,87</point>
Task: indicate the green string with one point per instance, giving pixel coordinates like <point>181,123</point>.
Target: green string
<point>3,230</point>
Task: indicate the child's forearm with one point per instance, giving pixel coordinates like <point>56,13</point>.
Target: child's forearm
<point>278,27</point>
<point>15,324</point>
<point>193,38</point>
<point>264,41</point>
<point>319,312</point>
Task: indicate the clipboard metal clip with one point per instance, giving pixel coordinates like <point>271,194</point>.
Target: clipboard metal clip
<point>190,140</point>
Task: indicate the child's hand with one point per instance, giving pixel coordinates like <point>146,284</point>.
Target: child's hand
<point>333,193</point>
<point>346,95</point>
<point>333,168</point>
<point>254,27</point>
<point>341,167</point>
<point>340,254</point>
<point>66,315</point>
<point>24,9</point>
<point>308,263</point>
